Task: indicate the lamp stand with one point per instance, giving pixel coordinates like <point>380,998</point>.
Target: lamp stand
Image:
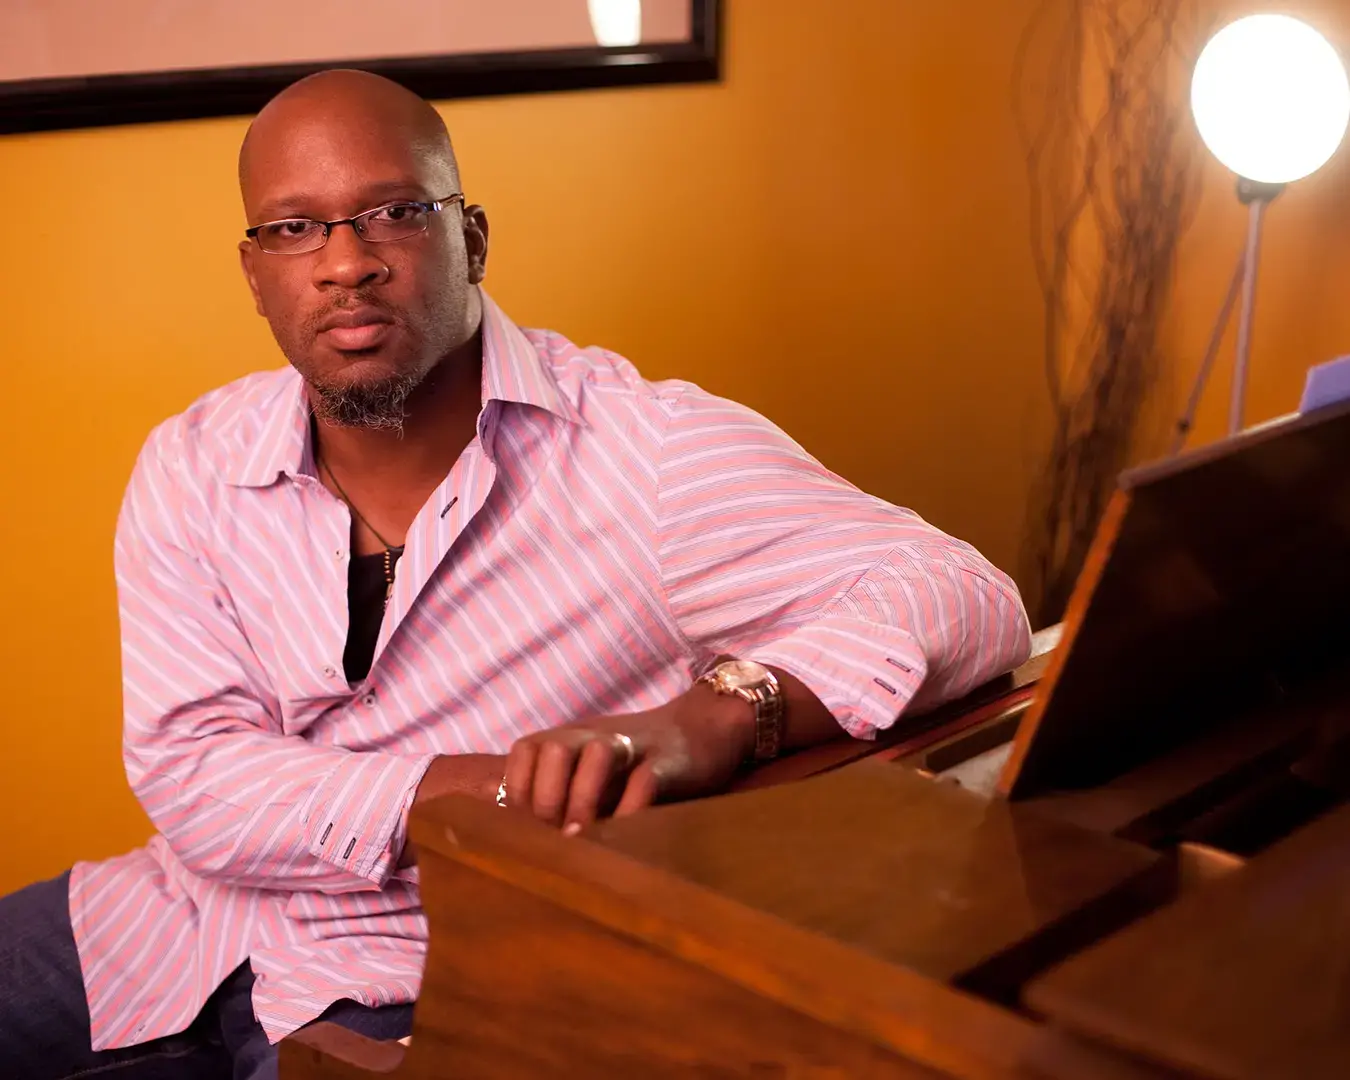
<point>1256,197</point>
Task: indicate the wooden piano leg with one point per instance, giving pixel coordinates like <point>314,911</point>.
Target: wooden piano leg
<point>332,1052</point>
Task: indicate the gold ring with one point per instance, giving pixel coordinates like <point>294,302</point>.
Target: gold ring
<point>629,750</point>
<point>501,792</point>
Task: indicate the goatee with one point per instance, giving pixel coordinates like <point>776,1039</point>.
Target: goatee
<point>375,406</point>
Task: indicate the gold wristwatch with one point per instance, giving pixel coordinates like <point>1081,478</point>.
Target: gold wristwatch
<point>756,684</point>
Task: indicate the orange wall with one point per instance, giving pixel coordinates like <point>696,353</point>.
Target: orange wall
<point>836,235</point>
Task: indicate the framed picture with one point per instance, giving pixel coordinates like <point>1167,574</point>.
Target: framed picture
<point>86,63</point>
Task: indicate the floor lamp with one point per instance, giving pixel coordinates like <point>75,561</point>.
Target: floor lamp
<point>1271,100</point>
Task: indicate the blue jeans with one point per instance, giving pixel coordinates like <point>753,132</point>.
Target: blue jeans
<point>44,1019</point>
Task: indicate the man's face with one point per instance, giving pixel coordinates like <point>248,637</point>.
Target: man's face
<point>363,323</point>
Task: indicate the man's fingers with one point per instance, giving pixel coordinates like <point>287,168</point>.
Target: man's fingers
<point>570,776</point>
<point>520,763</point>
<point>641,790</point>
<point>553,771</point>
<point>597,765</point>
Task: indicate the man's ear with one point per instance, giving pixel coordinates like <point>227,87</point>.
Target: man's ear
<point>476,242</point>
<point>246,255</point>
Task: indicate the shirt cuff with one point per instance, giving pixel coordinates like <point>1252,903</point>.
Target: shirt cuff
<point>358,816</point>
<point>863,672</point>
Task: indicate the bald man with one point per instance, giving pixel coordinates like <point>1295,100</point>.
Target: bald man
<point>437,553</point>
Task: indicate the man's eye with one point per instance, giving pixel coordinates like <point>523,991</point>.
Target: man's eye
<point>288,230</point>
<point>395,213</point>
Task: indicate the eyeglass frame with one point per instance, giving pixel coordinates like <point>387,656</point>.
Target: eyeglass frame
<point>435,206</point>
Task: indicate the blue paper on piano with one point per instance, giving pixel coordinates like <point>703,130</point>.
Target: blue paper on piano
<point>1327,384</point>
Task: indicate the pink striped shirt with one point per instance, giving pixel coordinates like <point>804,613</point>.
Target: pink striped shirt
<point>601,540</point>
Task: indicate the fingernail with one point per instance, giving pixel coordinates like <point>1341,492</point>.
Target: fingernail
<point>571,830</point>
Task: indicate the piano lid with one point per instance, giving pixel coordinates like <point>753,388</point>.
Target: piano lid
<point>1218,580</point>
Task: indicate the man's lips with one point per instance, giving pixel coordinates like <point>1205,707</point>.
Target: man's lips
<point>354,329</point>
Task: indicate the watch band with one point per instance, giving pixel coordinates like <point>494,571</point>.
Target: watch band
<point>764,694</point>
<point>768,701</point>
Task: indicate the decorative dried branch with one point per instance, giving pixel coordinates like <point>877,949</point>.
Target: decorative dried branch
<point>1111,159</point>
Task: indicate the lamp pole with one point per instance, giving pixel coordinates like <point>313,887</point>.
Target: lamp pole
<point>1256,197</point>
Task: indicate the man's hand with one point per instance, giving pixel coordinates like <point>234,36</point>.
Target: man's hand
<point>691,746</point>
<point>570,775</point>
<point>462,774</point>
<point>459,774</point>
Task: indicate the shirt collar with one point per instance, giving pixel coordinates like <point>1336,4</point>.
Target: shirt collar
<point>513,371</point>
<point>280,443</point>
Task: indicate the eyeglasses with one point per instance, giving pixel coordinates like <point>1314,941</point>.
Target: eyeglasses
<point>392,221</point>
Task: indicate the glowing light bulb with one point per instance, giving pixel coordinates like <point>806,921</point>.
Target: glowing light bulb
<point>616,23</point>
<point>1271,98</point>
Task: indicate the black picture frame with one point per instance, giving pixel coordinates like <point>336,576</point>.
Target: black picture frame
<point>106,100</point>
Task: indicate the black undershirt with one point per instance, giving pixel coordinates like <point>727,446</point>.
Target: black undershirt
<point>366,586</point>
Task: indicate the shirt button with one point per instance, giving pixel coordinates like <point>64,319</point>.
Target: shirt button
<point>368,700</point>
<point>338,554</point>
<point>330,672</point>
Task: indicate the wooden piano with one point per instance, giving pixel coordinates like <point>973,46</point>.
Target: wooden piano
<point>1136,864</point>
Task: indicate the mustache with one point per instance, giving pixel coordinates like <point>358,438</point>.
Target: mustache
<point>346,302</point>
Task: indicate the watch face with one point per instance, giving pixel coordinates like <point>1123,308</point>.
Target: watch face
<point>742,674</point>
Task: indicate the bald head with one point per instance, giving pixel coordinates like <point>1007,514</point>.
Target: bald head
<point>353,101</point>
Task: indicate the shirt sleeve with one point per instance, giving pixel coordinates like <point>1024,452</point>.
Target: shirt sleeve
<point>238,800</point>
<point>766,555</point>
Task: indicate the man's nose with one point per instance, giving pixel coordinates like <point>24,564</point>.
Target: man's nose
<point>349,261</point>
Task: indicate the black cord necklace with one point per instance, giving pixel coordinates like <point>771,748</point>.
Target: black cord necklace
<point>389,549</point>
